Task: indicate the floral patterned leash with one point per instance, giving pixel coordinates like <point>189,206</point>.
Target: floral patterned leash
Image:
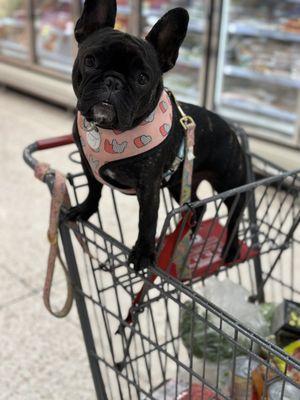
<point>59,198</point>
<point>189,126</point>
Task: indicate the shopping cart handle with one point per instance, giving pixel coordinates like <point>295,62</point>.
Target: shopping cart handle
<point>43,145</point>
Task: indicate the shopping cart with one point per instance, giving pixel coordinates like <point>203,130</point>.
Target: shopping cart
<point>141,329</point>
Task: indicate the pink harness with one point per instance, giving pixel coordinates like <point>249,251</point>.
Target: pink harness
<point>102,146</point>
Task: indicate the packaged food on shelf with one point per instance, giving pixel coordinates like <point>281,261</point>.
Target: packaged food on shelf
<point>261,48</point>
<point>181,80</point>
<point>266,381</point>
<point>122,23</point>
<point>197,392</point>
<point>54,34</point>
<point>284,338</point>
<point>13,28</point>
<point>261,378</point>
<point>282,391</point>
<point>242,382</point>
<point>184,78</point>
<point>293,350</point>
<point>200,333</point>
<point>268,311</point>
<point>287,319</point>
<point>262,55</point>
<point>276,102</point>
<point>267,11</point>
<point>292,25</point>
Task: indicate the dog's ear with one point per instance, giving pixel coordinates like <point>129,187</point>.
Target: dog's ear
<point>96,14</point>
<point>167,35</point>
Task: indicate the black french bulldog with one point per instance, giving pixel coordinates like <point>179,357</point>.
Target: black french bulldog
<point>118,81</point>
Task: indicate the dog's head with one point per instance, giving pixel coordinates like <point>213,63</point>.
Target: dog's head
<point>117,77</point>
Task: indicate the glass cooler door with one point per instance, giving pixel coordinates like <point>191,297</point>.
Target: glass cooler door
<point>54,34</point>
<point>123,16</point>
<point>184,78</point>
<point>258,75</point>
<point>13,28</point>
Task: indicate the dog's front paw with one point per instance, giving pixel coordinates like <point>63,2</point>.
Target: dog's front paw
<point>140,259</point>
<point>83,211</point>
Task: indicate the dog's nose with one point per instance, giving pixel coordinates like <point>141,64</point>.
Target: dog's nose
<point>103,114</point>
<point>113,83</point>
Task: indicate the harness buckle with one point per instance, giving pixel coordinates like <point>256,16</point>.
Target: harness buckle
<point>187,122</point>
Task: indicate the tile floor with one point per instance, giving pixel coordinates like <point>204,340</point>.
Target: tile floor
<point>41,357</point>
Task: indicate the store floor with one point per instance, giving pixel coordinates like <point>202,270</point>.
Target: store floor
<point>41,357</point>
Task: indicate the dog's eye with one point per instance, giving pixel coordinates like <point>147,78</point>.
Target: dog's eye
<point>142,79</point>
<point>89,61</point>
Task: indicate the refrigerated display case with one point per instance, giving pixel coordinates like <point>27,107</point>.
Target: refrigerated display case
<point>258,74</point>
<point>123,16</point>
<point>13,28</point>
<point>54,27</point>
<point>240,58</point>
<point>37,45</point>
<point>185,78</point>
<point>38,35</point>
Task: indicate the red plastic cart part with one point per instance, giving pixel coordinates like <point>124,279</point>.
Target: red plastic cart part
<point>209,242</point>
<point>57,141</point>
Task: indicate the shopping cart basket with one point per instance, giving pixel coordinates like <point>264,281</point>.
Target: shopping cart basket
<point>141,329</point>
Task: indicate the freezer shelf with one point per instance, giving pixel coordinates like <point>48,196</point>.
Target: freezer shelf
<point>13,29</point>
<point>54,28</point>
<point>275,79</point>
<point>259,29</point>
<point>183,79</point>
<point>153,15</point>
<point>192,62</point>
<point>260,124</point>
<point>183,85</point>
<point>11,22</point>
<point>257,107</point>
<point>124,9</point>
<point>258,76</point>
<point>12,49</point>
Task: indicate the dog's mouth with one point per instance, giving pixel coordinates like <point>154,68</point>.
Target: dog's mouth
<point>103,115</point>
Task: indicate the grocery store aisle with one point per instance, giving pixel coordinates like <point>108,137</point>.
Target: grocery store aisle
<point>41,357</point>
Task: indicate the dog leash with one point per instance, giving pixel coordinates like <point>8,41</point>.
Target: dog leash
<point>189,126</point>
<point>186,152</point>
<point>59,198</point>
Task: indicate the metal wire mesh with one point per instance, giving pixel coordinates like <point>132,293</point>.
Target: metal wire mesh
<point>156,353</point>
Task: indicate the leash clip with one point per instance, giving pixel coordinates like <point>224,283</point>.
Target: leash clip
<point>187,122</point>
<point>189,125</point>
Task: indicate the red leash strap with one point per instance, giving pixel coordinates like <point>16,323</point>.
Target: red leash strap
<point>59,198</point>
